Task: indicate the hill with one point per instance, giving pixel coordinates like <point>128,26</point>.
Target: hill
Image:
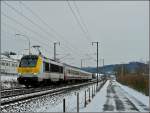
<point>131,67</point>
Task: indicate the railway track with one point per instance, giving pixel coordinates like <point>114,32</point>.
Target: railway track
<point>19,91</point>
<point>23,90</point>
<point>35,92</point>
<point>5,93</point>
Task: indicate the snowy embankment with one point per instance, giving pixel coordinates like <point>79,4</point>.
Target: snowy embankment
<point>133,93</point>
<point>113,97</point>
<point>118,98</point>
<point>52,103</point>
<point>6,77</point>
<point>98,101</point>
<point>8,81</point>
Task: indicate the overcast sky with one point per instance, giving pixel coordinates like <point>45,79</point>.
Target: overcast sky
<point>121,27</point>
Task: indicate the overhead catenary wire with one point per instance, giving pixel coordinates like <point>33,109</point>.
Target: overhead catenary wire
<point>30,20</point>
<point>27,18</point>
<point>78,21</point>
<point>37,33</point>
<point>27,7</point>
<point>51,29</point>
<point>32,23</point>
<point>82,20</point>
<point>27,28</point>
<point>12,27</point>
<point>84,29</point>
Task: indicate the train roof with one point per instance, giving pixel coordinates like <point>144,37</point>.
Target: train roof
<point>70,66</point>
<point>60,63</point>
<point>77,68</point>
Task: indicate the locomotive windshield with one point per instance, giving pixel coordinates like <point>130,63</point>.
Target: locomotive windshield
<point>28,61</point>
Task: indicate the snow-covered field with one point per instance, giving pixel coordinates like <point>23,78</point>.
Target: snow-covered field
<point>118,98</point>
<point>53,103</point>
<point>138,98</point>
<point>8,81</point>
<point>113,97</point>
<point>6,77</point>
<point>98,101</point>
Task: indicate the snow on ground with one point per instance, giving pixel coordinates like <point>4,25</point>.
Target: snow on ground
<point>48,103</point>
<point>112,97</point>
<point>8,81</point>
<point>117,98</point>
<point>141,97</point>
<point>98,101</point>
<point>5,77</point>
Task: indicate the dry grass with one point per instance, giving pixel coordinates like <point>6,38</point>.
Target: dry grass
<point>138,82</point>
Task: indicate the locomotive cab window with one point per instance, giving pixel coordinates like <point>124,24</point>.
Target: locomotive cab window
<point>28,61</point>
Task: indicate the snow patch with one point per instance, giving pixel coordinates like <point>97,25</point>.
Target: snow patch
<point>139,96</point>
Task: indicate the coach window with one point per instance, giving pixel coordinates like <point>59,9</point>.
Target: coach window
<point>46,66</point>
<point>69,71</point>
<point>3,63</point>
<point>13,65</point>
<point>60,69</point>
<point>56,68</point>
<point>6,64</point>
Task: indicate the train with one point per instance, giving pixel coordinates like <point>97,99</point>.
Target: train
<point>34,70</point>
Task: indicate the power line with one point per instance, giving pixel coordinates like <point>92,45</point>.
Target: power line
<point>82,21</point>
<point>78,21</point>
<point>10,27</point>
<point>37,33</point>
<point>12,19</point>
<point>48,26</point>
<point>29,19</point>
<point>76,18</point>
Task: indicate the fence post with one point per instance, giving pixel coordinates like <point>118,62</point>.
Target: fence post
<point>89,95</point>
<point>77,102</point>
<point>96,88</point>
<point>85,99</point>
<point>92,92</point>
<point>64,106</point>
<point>12,90</point>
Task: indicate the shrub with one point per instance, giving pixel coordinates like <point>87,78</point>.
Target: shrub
<point>138,82</point>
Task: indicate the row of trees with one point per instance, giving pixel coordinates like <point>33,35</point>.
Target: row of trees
<point>137,78</point>
<point>140,69</point>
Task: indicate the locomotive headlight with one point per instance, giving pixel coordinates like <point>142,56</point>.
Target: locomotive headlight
<point>34,73</point>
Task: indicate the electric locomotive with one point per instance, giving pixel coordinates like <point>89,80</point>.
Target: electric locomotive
<point>34,70</point>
